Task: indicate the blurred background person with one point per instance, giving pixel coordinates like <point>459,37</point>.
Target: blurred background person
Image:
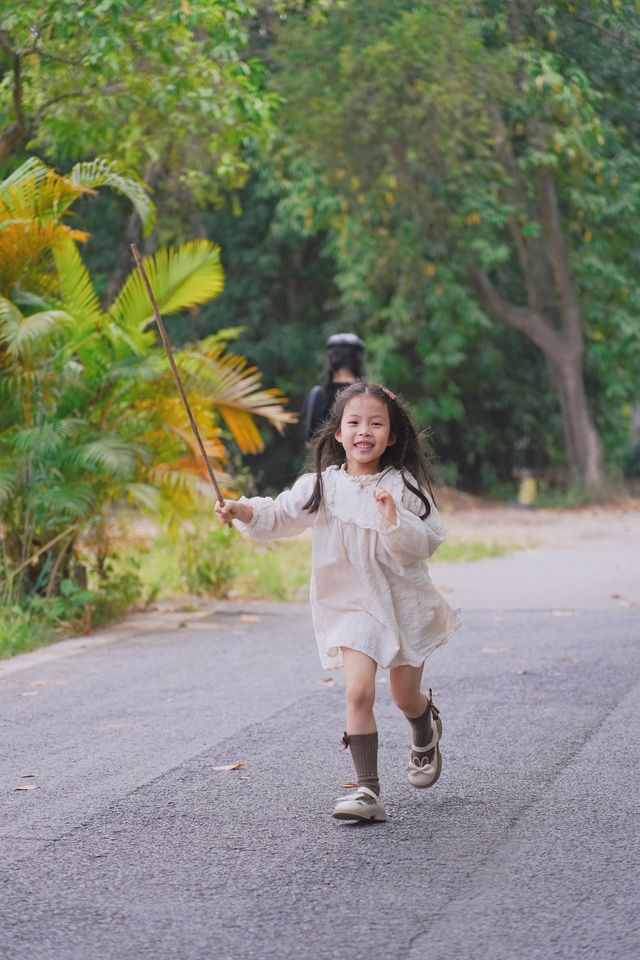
<point>343,365</point>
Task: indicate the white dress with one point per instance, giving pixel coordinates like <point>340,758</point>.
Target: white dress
<point>370,586</point>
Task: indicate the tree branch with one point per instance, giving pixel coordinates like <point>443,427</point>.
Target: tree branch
<point>13,133</point>
<point>618,37</point>
<point>76,61</point>
<point>524,319</point>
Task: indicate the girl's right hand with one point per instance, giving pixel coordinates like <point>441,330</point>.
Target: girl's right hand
<point>233,510</point>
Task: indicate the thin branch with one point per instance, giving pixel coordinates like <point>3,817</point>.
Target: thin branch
<point>618,37</point>
<point>34,556</point>
<point>76,61</point>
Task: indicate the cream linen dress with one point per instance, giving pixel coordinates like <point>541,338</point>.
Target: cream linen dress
<point>370,586</point>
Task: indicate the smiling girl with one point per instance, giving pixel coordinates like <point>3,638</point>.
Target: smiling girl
<point>374,523</point>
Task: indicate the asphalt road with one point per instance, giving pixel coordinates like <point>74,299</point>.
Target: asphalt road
<point>133,844</point>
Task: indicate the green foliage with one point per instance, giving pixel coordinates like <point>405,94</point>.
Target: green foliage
<point>91,418</point>
<point>206,561</point>
<point>415,137</point>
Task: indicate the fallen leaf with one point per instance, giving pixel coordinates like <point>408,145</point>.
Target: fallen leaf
<point>250,618</point>
<point>327,682</point>
<point>521,673</point>
<point>349,784</point>
<point>30,693</point>
<point>565,613</point>
<point>244,778</point>
<point>229,766</point>
<point>28,786</point>
<point>495,649</point>
<point>25,776</point>
<point>616,596</point>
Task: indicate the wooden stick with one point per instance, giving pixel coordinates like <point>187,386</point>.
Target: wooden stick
<point>176,375</point>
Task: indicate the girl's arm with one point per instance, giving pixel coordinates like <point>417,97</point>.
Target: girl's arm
<point>265,519</point>
<point>407,534</point>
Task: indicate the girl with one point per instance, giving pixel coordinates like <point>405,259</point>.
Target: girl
<point>373,604</point>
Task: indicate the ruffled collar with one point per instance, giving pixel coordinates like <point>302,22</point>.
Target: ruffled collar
<point>364,479</point>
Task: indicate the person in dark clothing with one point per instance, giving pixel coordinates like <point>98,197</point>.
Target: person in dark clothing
<point>344,364</point>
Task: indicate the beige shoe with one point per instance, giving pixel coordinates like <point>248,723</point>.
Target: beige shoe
<point>364,804</point>
<point>423,772</point>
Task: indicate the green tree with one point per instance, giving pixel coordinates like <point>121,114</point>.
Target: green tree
<point>471,166</point>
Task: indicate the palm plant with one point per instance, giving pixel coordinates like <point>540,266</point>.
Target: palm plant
<point>89,417</point>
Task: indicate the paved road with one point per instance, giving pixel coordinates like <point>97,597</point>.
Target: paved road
<point>134,845</point>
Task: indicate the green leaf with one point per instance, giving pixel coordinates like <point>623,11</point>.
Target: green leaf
<point>179,279</point>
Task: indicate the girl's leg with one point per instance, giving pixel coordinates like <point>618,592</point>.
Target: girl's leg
<point>362,733</point>
<point>426,728</point>
<point>405,690</point>
<point>360,682</point>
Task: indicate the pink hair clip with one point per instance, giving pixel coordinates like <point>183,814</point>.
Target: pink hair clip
<point>388,392</point>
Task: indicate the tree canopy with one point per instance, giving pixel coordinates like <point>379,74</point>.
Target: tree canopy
<point>473,163</point>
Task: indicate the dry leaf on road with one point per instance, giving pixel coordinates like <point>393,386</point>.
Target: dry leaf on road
<point>327,682</point>
<point>250,618</point>
<point>28,786</point>
<point>495,649</point>
<point>229,766</point>
<point>521,673</point>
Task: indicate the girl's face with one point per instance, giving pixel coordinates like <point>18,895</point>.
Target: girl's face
<point>365,433</point>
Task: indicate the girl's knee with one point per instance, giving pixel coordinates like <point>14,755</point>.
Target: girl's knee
<point>360,696</point>
<point>402,699</point>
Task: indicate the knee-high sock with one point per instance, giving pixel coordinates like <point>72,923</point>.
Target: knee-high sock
<point>364,750</point>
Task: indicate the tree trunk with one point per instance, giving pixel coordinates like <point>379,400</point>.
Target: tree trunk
<point>564,358</point>
<point>583,445</point>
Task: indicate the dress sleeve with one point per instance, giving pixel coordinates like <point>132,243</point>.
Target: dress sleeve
<point>282,517</point>
<point>410,536</point>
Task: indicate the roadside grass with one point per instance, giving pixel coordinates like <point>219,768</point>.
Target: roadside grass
<point>204,561</point>
<point>467,550</point>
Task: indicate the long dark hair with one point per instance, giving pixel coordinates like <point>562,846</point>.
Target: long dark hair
<point>340,356</point>
<point>405,454</point>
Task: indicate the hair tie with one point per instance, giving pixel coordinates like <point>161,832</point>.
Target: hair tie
<point>388,392</point>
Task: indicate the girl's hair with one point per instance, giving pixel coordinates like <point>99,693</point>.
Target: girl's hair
<point>344,355</point>
<point>404,454</point>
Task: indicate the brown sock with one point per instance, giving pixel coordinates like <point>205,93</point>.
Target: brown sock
<point>422,731</point>
<point>364,750</point>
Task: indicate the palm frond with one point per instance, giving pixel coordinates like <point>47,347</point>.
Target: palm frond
<point>9,483</point>
<point>233,387</point>
<point>38,196</point>
<point>143,495</point>
<point>71,500</point>
<point>21,334</point>
<point>101,172</point>
<point>109,454</point>
<point>78,296</point>
<point>33,166</point>
<point>179,278</point>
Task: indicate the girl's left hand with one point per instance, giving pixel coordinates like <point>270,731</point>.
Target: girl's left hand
<point>386,506</point>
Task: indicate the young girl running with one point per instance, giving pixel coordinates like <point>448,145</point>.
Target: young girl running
<point>374,524</point>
